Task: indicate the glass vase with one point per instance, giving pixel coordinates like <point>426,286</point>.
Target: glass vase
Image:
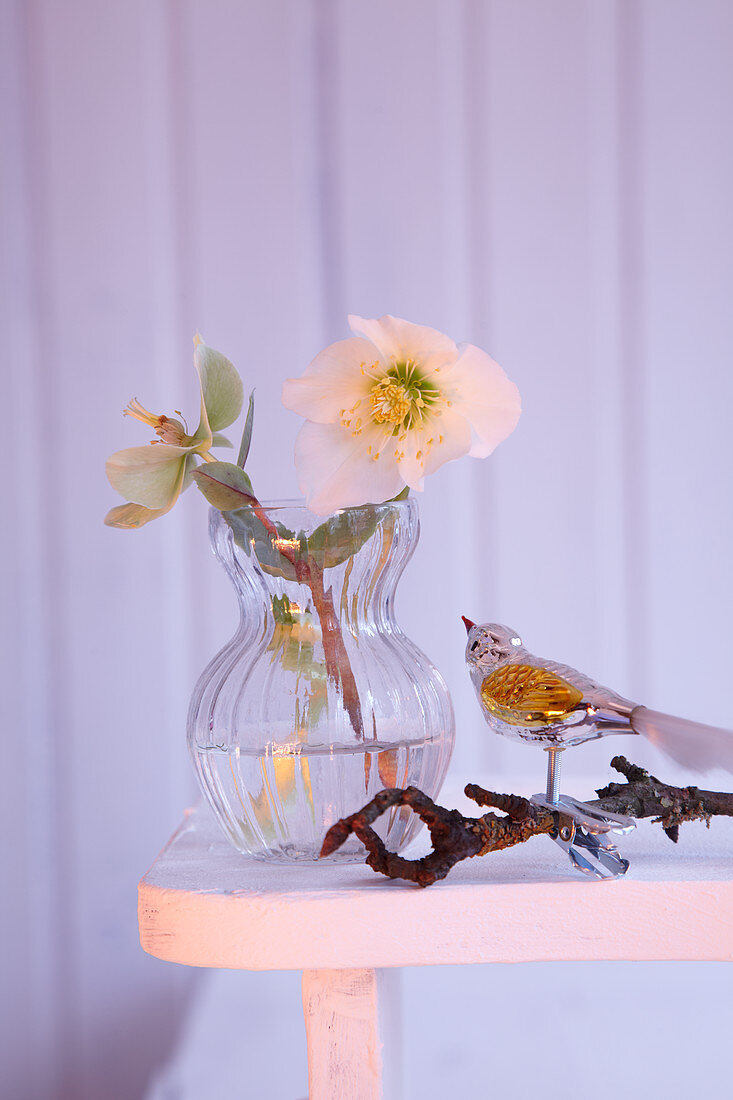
<point>319,701</point>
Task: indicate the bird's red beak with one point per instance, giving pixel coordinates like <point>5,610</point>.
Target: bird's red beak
<point>467,623</point>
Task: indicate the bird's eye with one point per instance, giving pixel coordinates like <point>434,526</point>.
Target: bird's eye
<point>474,646</point>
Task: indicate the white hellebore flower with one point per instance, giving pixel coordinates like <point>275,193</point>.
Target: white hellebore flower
<point>390,405</point>
<point>152,477</point>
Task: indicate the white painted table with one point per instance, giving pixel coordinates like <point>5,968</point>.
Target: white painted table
<point>203,904</point>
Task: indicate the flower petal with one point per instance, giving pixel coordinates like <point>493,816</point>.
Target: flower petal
<point>402,340</point>
<point>151,475</point>
<point>481,391</point>
<point>221,387</point>
<point>332,382</point>
<point>442,439</point>
<point>335,471</point>
<point>131,516</point>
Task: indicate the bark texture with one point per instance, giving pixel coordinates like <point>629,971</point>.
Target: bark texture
<point>456,837</point>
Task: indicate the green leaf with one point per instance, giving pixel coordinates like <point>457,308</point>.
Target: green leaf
<point>221,386</point>
<point>224,485</point>
<point>254,538</point>
<point>343,535</point>
<point>281,612</point>
<point>247,433</point>
<point>219,440</point>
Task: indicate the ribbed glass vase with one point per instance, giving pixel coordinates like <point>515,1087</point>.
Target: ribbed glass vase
<point>319,701</point>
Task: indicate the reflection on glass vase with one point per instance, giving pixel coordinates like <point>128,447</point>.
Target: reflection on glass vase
<point>319,701</point>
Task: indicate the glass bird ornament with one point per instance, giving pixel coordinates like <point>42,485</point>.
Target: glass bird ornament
<point>533,699</point>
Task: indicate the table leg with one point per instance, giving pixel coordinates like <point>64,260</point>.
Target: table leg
<point>352,1025</point>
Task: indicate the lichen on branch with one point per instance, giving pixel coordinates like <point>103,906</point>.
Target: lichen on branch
<point>455,837</point>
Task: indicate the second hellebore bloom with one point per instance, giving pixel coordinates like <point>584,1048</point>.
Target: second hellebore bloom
<point>152,477</point>
<point>390,405</point>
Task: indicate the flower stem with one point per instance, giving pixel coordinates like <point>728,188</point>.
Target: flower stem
<point>338,665</point>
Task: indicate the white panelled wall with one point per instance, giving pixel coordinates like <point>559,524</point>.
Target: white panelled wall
<point>550,179</point>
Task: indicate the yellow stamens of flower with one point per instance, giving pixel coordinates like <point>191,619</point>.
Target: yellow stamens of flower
<point>402,398</point>
<point>167,429</point>
<point>140,413</point>
<point>390,402</point>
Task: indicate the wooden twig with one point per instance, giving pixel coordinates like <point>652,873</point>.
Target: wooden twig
<point>456,837</point>
<point>643,795</point>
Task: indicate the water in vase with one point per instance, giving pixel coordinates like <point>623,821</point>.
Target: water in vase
<point>280,802</point>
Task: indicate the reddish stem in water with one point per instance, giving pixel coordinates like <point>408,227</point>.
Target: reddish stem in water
<point>338,665</point>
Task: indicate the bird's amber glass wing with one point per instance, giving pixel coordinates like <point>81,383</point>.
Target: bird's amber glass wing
<point>525,696</point>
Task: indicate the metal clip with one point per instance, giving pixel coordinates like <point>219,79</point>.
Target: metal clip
<point>586,850</point>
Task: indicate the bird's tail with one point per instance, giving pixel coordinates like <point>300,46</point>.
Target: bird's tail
<point>700,748</point>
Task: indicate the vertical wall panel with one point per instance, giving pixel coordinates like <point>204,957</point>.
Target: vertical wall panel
<point>537,87</point>
<point>106,732</point>
<point>688,250</point>
<point>610,287</point>
<point>631,327</point>
<point>535,115</point>
<point>30,942</point>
